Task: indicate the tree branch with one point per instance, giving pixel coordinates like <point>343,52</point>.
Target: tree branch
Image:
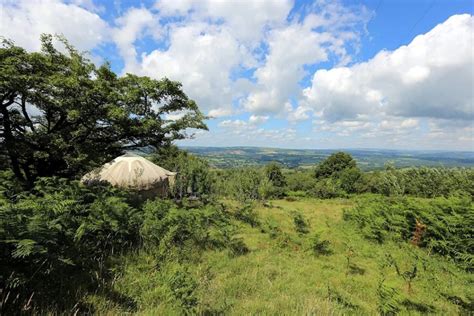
<point>25,113</point>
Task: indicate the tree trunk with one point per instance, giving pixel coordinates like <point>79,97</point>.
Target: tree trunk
<point>8,136</point>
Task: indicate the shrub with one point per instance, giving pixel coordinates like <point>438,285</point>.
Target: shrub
<point>238,247</point>
<point>301,224</point>
<point>183,287</point>
<point>244,184</point>
<point>61,234</point>
<point>247,215</point>
<point>319,246</point>
<point>300,180</point>
<point>274,174</point>
<point>327,189</point>
<point>173,232</point>
<point>193,178</point>
<point>449,223</point>
<point>422,182</point>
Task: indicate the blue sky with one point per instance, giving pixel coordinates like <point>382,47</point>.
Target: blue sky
<point>282,73</point>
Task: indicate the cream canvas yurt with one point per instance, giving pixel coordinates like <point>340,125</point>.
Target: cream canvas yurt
<point>134,172</point>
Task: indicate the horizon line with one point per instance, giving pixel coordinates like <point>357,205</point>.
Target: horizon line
<point>332,149</point>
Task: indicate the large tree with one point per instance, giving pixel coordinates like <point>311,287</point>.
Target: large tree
<point>334,165</point>
<point>61,115</point>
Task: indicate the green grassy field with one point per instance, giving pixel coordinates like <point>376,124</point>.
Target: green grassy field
<point>282,274</point>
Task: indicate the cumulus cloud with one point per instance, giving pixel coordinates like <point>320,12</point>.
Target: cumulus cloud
<point>258,119</point>
<point>24,21</point>
<point>130,27</point>
<point>248,131</point>
<point>318,36</point>
<point>212,41</point>
<point>255,58</point>
<point>430,77</point>
<point>246,20</point>
<point>201,57</point>
<point>298,114</point>
<point>251,124</point>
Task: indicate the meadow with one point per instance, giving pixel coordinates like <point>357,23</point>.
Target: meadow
<point>330,269</point>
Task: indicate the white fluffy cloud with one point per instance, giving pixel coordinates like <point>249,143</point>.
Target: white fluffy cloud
<point>245,19</point>
<point>201,57</point>
<point>24,21</point>
<point>430,77</point>
<point>321,34</point>
<point>247,132</point>
<point>215,39</point>
<point>130,27</point>
<point>251,124</point>
<point>258,119</point>
<point>256,57</point>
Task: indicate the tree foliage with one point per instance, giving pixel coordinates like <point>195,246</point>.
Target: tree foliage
<point>334,164</point>
<point>274,174</point>
<point>193,178</point>
<point>60,114</point>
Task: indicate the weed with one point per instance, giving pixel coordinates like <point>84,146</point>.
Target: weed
<point>238,247</point>
<point>247,215</point>
<point>301,224</point>
<point>387,299</point>
<point>319,246</point>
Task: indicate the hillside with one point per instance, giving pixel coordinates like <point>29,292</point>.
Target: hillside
<point>367,159</point>
<point>327,268</point>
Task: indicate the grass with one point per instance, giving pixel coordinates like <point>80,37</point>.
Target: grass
<point>282,274</point>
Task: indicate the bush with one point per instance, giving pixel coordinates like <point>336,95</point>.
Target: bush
<point>247,215</point>
<point>244,184</point>
<point>319,246</point>
<point>421,182</point>
<point>327,189</point>
<point>193,178</point>
<point>448,223</point>
<point>301,225</point>
<point>183,287</point>
<point>171,232</point>
<point>274,174</point>
<point>300,180</point>
<point>61,234</point>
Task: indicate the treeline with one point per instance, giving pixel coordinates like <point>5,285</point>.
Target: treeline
<point>337,176</point>
<point>421,182</point>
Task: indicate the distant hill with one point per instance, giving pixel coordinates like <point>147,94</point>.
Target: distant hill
<point>368,159</point>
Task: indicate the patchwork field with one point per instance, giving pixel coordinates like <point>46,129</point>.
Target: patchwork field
<point>367,159</point>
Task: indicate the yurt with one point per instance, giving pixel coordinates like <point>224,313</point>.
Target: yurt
<point>134,172</point>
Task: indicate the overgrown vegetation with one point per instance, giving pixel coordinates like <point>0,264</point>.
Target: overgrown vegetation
<point>250,240</point>
<point>57,241</point>
<point>448,223</point>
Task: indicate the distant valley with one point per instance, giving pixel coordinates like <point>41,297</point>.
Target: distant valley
<point>367,159</point>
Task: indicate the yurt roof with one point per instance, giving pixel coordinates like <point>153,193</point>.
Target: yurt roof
<point>131,171</point>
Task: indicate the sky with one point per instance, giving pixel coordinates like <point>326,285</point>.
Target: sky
<point>395,74</point>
